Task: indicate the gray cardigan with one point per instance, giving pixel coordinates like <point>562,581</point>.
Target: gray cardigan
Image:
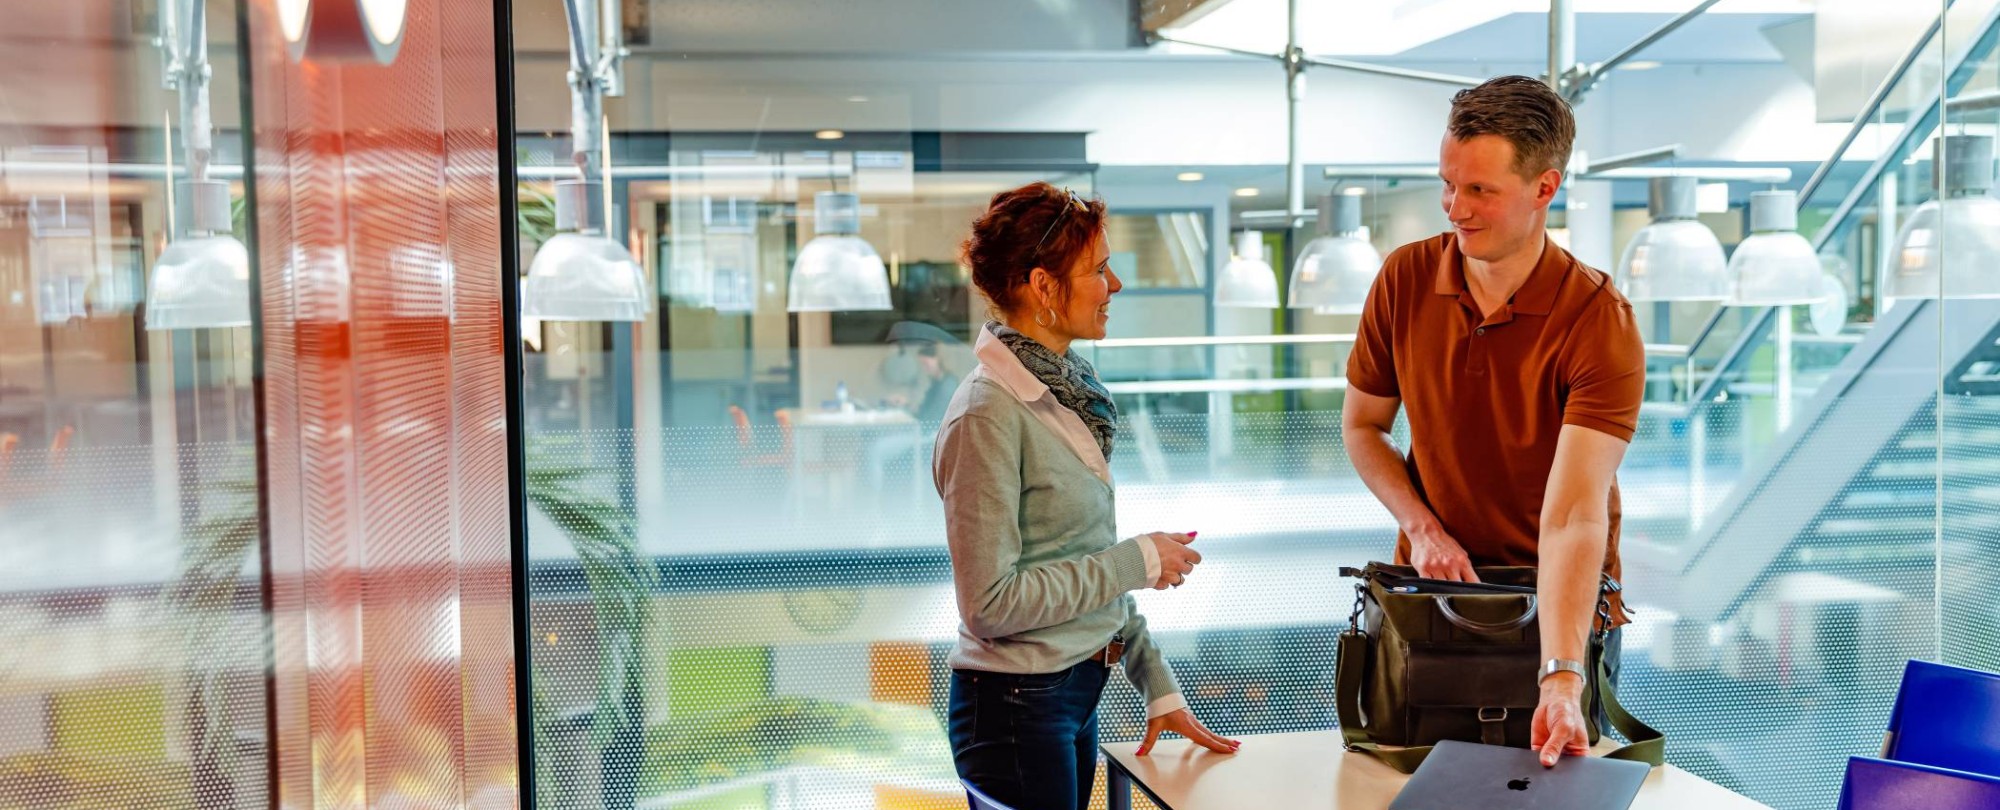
<point>1041,578</point>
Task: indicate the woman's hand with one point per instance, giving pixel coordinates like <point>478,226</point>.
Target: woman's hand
<point>1182,722</point>
<point>1176,559</point>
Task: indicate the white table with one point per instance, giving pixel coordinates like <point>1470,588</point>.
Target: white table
<point>1309,769</point>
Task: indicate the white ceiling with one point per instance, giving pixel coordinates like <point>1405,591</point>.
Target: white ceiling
<point>1491,30</point>
<point>1524,37</point>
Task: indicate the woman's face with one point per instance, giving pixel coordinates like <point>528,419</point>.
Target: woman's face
<point>1083,314</point>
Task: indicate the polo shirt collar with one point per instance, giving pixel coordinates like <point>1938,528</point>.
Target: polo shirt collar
<point>1537,297</point>
<point>1007,369</point>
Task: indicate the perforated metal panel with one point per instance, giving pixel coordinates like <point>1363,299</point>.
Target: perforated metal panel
<point>379,210</point>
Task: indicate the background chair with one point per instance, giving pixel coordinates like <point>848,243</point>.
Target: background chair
<point>1876,784</point>
<point>1946,717</point>
<point>746,444</point>
<point>976,800</point>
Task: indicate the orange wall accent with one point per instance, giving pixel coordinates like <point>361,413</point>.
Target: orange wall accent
<point>899,673</point>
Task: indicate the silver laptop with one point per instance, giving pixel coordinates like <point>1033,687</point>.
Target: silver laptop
<point>1459,775</point>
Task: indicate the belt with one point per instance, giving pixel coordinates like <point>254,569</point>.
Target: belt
<point>1111,654</point>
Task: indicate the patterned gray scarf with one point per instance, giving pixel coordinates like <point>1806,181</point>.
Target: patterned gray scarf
<point>1071,378</point>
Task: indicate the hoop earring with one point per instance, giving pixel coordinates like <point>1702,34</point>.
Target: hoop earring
<point>1052,318</point>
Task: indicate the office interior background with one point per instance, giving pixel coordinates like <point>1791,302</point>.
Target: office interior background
<point>438,403</point>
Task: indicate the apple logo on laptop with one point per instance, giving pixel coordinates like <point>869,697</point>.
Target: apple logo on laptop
<point>1517,784</point>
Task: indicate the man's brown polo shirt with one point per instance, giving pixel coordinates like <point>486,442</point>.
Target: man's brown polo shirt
<point>1486,397</point>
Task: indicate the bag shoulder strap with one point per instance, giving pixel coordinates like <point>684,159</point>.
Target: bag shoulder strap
<point>1646,744</point>
<point>1643,742</point>
<point>1351,656</point>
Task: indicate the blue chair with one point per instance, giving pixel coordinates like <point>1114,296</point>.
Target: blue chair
<point>976,800</point>
<point>1876,784</point>
<point>1947,717</point>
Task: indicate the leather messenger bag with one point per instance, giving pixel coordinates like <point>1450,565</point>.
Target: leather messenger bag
<point>1424,660</point>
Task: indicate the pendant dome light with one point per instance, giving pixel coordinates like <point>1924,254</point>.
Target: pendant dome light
<point>1675,258</point>
<point>1951,245</point>
<point>838,270</point>
<point>202,279</point>
<point>580,274</point>
<point>1334,271</point>
<point>1775,266</point>
<point>1248,281</point>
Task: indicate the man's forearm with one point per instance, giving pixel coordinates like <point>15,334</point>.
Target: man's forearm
<point>1567,582</point>
<point>1382,468</point>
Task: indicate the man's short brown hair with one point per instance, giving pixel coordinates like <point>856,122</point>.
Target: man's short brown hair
<point>1525,112</point>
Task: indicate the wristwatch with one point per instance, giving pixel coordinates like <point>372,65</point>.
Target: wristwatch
<point>1555,665</point>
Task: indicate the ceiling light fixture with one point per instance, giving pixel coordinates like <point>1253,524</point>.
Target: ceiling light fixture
<point>1248,281</point>
<point>1246,192</point>
<point>1334,270</point>
<point>829,134</point>
<point>1951,246</point>
<point>1189,177</point>
<point>1775,266</point>
<point>202,279</point>
<point>838,270</point>
<point>1675,258</point>
<point>581,274</point>
<point>342,30</point>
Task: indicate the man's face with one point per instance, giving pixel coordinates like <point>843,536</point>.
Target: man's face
<point>1493,209</point>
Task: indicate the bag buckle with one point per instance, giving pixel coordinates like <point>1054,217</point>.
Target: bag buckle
<point>1354,616</point>
<point>1493,725</point>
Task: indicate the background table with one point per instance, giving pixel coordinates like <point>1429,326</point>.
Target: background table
<point>1308,769</point>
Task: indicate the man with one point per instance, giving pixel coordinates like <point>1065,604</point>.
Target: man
<point>1522,371</point>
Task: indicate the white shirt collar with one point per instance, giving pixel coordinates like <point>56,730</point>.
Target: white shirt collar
<point>1005,368</point>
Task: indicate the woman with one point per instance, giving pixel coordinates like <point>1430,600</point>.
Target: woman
<point>1042,580</point>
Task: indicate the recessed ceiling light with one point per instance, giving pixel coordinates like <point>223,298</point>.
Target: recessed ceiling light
<point>1639,64</point>
<point>857,99</point>
<point>829,134</point>
<point>1188,177</point>
<point>292,16</point>
<point>1246,192</point>
<point>1354,191</point>
<point>342,30</point>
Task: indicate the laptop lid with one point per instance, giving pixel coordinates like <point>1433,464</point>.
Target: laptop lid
<point>1460,774</point>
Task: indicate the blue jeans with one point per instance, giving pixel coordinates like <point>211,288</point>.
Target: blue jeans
<point>1029,741</point>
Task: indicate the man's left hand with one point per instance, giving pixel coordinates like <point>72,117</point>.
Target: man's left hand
<point>1559,727</point>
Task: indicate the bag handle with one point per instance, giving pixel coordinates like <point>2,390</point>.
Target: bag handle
<point>1484,628</point>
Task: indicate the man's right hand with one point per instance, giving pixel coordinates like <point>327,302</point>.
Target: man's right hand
<point>1437,556</point>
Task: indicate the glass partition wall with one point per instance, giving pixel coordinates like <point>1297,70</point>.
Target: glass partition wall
<point>739,590</point>
<point>129,485</point>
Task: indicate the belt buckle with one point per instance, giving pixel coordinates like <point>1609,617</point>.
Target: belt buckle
<point>1492,715</point>
<point>1113,652</point>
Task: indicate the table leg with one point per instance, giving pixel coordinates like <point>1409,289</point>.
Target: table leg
<point>1119,786</point>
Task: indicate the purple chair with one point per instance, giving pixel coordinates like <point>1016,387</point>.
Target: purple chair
<point>1948,717</point>
<point>1878,784</point>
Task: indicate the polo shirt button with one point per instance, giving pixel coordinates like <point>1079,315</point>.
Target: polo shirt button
<point>1479,331</point>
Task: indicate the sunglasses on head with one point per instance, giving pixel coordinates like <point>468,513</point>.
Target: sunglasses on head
<point>1074,203</point>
